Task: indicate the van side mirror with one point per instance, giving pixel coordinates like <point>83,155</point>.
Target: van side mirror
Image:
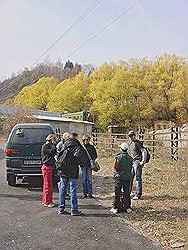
<point>20,132</point>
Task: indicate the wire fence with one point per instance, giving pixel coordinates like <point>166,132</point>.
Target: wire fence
<point>170,144</point>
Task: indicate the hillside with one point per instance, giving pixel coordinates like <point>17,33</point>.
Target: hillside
<point>11,86</point>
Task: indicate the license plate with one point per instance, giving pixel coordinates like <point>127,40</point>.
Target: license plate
<point>32,162</point>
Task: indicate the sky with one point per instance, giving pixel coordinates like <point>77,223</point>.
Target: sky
<point>29,27</point>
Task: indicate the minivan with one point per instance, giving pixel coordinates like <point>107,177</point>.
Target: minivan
<point>23,150</point>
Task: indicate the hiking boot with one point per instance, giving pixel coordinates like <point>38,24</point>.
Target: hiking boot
<point>136,197</point>
<point>114,210</point>
<point>129,210</point>
<point>91,196</point>
<point>76,213</point>
<point>49,205</point>
<point>63,212</point>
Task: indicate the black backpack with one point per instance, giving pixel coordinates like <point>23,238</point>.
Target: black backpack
<point>62,161</point>
<point>148,156</point>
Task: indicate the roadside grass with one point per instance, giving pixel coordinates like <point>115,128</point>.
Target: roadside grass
<point>161,213</point>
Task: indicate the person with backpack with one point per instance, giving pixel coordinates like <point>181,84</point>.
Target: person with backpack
<point>122,176</point>
<point>59,148</point>
<point>68,167</point>
<point>139,155</point>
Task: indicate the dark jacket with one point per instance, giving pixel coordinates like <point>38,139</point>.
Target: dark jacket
<point>80,153</point>
<point>91,150</point>
<point>48,152</point>
<point>123,166</point>
<point>135,150</point>
<point>76,156</point>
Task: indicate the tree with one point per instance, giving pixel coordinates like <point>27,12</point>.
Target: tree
<point>37,95</point>
<point>70,95</point>
<point>21,116</point>
<point>140,91</point>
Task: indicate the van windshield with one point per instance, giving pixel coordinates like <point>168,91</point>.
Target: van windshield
<point>30,136</point>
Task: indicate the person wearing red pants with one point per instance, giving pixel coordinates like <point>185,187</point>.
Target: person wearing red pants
<point>48,152</point>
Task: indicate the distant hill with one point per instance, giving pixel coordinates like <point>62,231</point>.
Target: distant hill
<point>11,86</point>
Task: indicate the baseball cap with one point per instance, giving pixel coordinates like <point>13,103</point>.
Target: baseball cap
<point>124,146</point>
<point>131,132</point>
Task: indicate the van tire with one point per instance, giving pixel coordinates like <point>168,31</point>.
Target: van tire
<point>11,180</point>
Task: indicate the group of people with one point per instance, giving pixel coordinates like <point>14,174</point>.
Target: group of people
<point>126,167</point>
<point>76,155</point>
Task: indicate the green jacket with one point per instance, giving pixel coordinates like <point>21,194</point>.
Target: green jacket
<point>123,166</point>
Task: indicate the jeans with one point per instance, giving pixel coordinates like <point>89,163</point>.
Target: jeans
<point>47,190</point>
<point>137,171</point>
<point>119,185</point>
<point>63,185</point>
<point>68,187</point>
<point>87,181</point>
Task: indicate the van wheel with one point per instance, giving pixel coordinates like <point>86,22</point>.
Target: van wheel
<point>11,180</point>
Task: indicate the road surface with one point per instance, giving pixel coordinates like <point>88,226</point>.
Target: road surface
<point>26,224</point>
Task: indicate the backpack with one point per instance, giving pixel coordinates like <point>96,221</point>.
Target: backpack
<point>62,160</point>
<point>148,156</point>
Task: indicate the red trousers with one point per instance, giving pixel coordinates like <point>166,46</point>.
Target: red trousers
<point>47,184</point>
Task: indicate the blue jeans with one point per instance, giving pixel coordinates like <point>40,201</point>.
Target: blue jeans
<point>68,187</point>
<point>87,181</point>
<point>63,184</point>
<point>137,171</point>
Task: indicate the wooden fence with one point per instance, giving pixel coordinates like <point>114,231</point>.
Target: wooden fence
<point>171,143</point>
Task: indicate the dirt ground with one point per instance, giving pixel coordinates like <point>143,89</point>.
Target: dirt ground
<point>161,213</point>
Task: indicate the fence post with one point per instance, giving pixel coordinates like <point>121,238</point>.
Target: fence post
<point>113,141</point>
<point>58,133</point>
<point>153,144</point>
<point>174,143</point>
<point>94,135</point>
<point>141,134</point>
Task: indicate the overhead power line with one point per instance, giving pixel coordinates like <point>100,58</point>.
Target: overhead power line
<point>68,30</point>
<point>83,15</point>
<point>122,14</point>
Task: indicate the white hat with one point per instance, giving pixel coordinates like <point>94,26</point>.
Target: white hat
<point>124,146</point>
<point>131,132</point>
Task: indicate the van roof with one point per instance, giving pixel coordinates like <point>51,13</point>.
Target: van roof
<point>33,125</point>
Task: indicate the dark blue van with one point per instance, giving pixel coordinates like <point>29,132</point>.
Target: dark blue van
<point>23,150</point>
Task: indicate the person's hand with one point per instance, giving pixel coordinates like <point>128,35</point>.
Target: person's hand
<point>116,175</point>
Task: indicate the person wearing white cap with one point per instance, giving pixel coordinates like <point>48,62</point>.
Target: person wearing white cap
<point>122,176</point>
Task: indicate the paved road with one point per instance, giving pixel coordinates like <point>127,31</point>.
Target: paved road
<point>26,224</point>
